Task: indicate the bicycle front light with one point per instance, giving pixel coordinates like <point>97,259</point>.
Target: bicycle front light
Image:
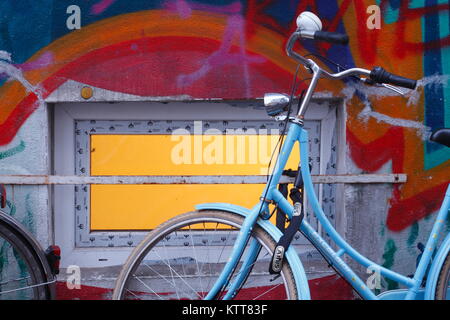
<point>275,103</point>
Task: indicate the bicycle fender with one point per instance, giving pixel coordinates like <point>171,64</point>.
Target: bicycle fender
<point>32,243</point>
<point>297,267</point>
<point>436,266</point>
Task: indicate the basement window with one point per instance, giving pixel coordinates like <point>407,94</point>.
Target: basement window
<point>172,139</point>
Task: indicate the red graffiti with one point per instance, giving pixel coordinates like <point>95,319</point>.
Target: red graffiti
<point>257,13</point>
<point>84,293</point>
<point>166,62</point>
<point>101,6</point>
<point>405,212</point>
<point>326,288</point>
<point>405,14</point>
<point>44,60</point>
<point>368,40</point>
<point>235,29</point>
<point>371,156</point>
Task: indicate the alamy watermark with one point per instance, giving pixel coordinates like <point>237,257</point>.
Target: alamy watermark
<point>374,19</point>
<point>73,280</point>
<point>73,21</point>
<point>238,146</point>
<point>374,280</point>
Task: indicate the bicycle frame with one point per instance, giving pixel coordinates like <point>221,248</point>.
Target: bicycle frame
<point>297,133</point>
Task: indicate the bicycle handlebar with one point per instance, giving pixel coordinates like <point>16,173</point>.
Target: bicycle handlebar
<point>333,37</point>
<point>377,75</point>
<point>336,37</point>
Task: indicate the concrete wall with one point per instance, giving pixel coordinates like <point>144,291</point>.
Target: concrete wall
<point>28,153</point>
<point>235,50</point>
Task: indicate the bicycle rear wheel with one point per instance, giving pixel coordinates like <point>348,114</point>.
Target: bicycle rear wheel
<point>443,283</point>
<point>21,274</point>
<point>182,258</point>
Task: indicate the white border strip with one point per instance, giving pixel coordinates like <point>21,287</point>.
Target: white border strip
<point>199,179</point>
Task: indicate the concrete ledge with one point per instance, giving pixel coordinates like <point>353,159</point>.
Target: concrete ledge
<point>210,179</point>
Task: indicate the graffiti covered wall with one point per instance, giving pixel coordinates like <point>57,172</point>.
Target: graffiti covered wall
<point>235,50</point>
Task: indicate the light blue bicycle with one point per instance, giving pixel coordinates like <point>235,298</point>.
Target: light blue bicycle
<point>223,251</point>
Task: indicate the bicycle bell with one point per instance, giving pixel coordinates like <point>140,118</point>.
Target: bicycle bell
<point>308,21</point>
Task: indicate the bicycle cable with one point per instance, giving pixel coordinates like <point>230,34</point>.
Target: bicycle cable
<point>281,138</point>
<point>339,67</point>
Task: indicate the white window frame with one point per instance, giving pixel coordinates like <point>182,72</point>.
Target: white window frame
<point>328,111</point>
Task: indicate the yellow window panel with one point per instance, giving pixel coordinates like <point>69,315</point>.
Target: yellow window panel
<point>143,207</point>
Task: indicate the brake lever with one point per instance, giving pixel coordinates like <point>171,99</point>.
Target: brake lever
<point>394,88</point>
<point>387,86</point>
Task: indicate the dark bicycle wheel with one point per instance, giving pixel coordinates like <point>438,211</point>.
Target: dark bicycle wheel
<point>22,276</point>
<point>443,283</point>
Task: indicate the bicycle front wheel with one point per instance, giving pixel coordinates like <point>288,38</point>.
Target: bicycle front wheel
<point>21,274</point>
<point>183,257</point>
<point>443,283</point>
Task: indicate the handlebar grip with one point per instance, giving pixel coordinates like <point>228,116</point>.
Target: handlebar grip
<point>379,75</point>
<point>333,37</point>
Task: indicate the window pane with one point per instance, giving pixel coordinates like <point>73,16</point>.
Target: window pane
<point>139,207</point>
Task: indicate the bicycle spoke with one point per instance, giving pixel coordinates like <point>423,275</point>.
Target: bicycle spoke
<point>188,255</point>
<point>196,259</point>
<point>171,274</point>
<point>14,280</point>
<point>210,269</point>
<point>262,294</point>
<point>250,267</point>
<point>20,270</point>
<point>207,260</point>
<point>27,287</point>
<point>145,285</point>
<point>223,248</point>
<point>181,278</point>
<point>133,293</point>
<point>164,278</point>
